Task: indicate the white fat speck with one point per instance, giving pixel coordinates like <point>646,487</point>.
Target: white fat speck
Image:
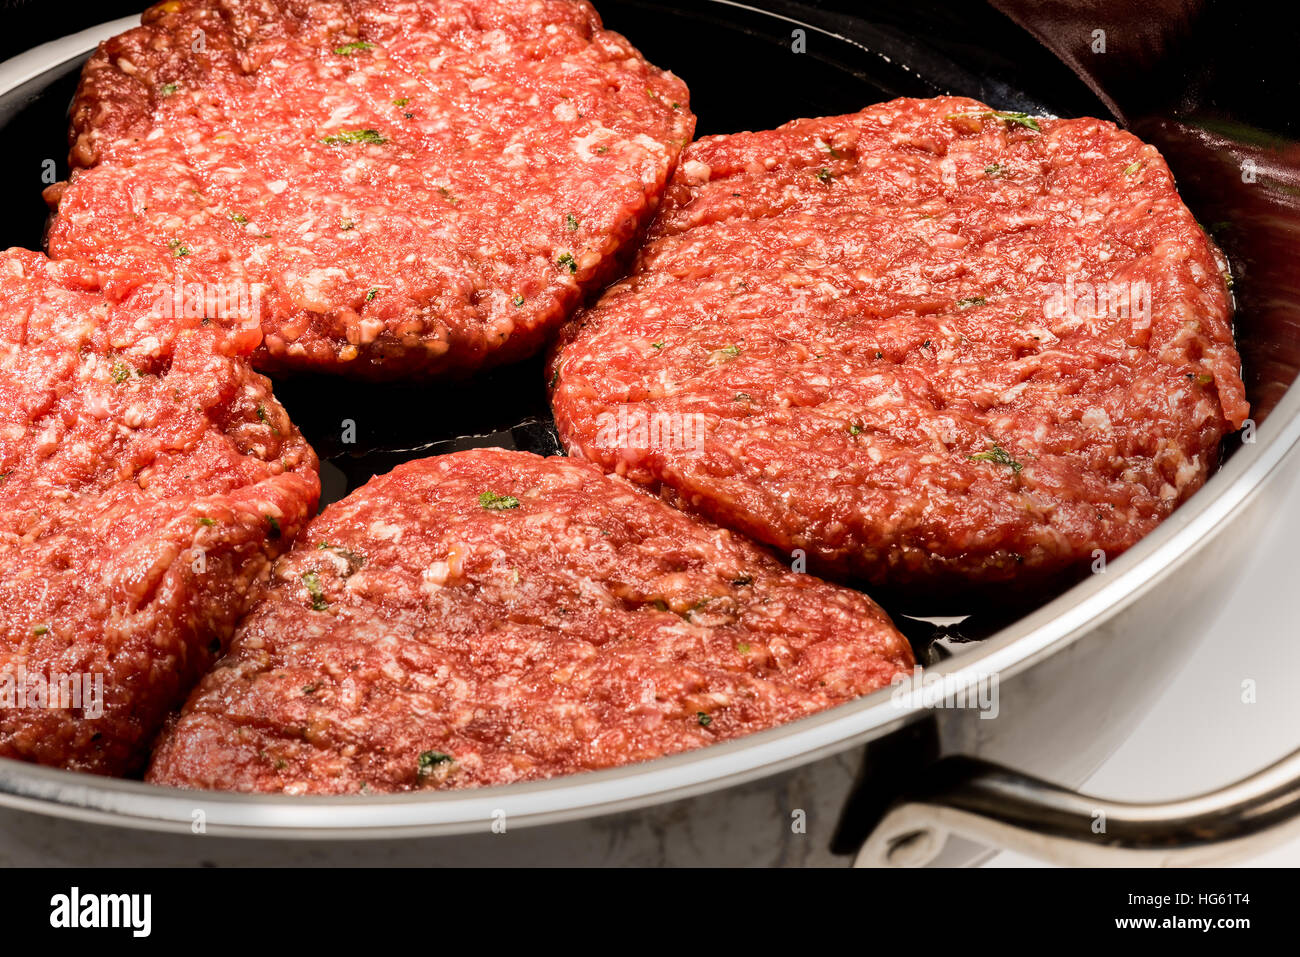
<point>585,144</point>
<point>135,416</point>
<point>338,561</point>
<point>278,186</point>
<point>147,346</point>
<point>389,533</point>
<point>47,441</point>
<point>311,288</point>
<point>97,405</point>
<point>1096,419</point>
<point>696,172</point>
<point>435,576</point>
<point>340,113</point>
<point>1009,394</point>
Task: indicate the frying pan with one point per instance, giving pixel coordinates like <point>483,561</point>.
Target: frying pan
<point>886,779</point>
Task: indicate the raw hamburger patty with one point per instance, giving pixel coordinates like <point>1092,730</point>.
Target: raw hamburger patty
<point>145,482</point>
<point>494,616</point>
<point>927,344</point>
<point>420,187</point>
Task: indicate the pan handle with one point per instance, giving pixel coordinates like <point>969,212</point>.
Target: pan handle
<point>997,807</point>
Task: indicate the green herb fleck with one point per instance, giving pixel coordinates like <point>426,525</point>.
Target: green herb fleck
<point>1019,119</point>
<point>274,524</point>
<point>350,49</point>
<point>266,419</point>
<point>1204,378</point>
<point>743,580</point>
<point>730,352</point>
<point>1132,168</point>
<point>656,345</point>
<point>311,688</point>
<point>568,261</point>
<point>742,648</point>
<point>971,301</point>
<point>120,372</point>
<point>40,630</point>
<point>995,170</point>
<point>517,299</point>
<point>998,456</point>
<point>742,397</point>
<point>428,760</point>
<point>855,429</point>
<point>239,218</point>
<point>491,500</point>
<point>207,522</point>
<point>572,222</point>
<point>314,589</point>
<point>371,293</point>
<point>602,150</point>
<point>354,136</point>
<point>704,719</point>
<point>178,248</point>
<point>402,101</point>
<point>167,89</point>
<point>825,175</point>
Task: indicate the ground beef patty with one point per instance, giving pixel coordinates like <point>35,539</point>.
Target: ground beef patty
<point>926,343</point>
<point>415,187</point>
<point>494,616</point>
<point>145,482</point>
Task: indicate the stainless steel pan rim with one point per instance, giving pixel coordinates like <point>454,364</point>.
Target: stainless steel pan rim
<point>1044,632</point>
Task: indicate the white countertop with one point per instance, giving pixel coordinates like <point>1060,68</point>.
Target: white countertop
<point>1200,735</point>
